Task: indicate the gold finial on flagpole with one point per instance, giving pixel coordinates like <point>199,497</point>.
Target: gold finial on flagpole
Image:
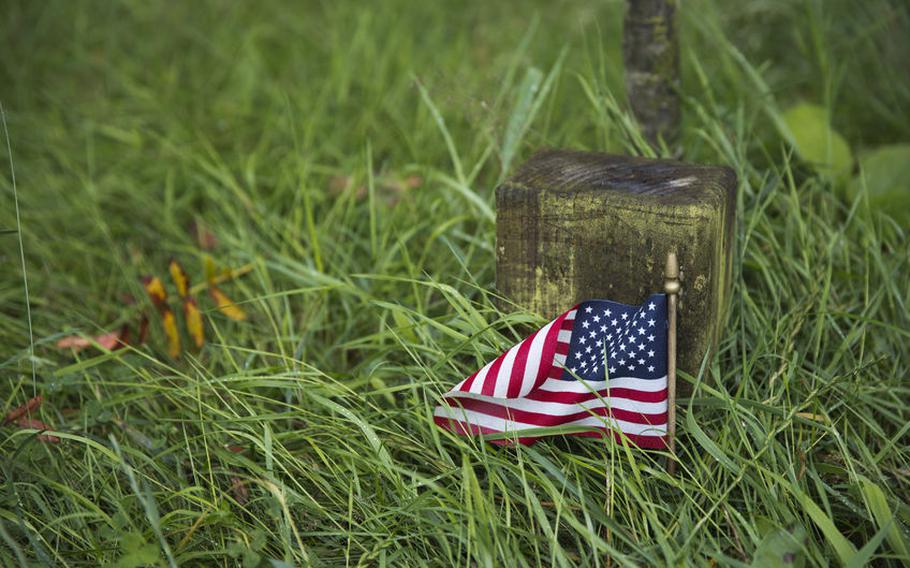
<point>672,288</point>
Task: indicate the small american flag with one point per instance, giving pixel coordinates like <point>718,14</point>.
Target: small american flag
<point>601,365</point>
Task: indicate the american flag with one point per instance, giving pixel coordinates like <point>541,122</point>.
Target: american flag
<point>601,365</point>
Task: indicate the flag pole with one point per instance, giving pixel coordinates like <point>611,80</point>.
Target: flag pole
<point>672,288</point>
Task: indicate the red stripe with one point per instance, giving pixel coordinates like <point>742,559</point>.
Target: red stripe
<point>549,352</point>
<point>519,366</point>
<point>466,387</point>
<point>562,348</point>
<point>489,383</point>
<point>459,427</point>
<point>555,373</point>
<point>615,392</point>
<point>542,419</point>
<point>567,324</point>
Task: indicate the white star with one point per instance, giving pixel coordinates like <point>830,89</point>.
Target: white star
<point>651,306</point>
<point>625,316</point>
<point>596,319</point>
<point>609,337</point>
<point>641,361</point>
<point>612,370</point>
<point>608,313</point>
<point>622,361</point>
<point>614,323</point>
<point>641,331</point>
<point>622,347</point>
<point>631,367</point>
<point>641,347</point>
<point>650,338</point>
<point>650,323</point>
<point>573,369</point>
<point>582,339</point>
<point>593,334</point>
<point>578,354</point>
<point>585,325</point>
<point>650,353</point>
<point>603,329</point>
<point>588,309</point>
<point>632,339</point>
<point>600,343</point>
<point>651,369</point>
<point>613,353</point>
<point>588,349</point>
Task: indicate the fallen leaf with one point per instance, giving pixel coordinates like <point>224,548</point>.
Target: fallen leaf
<point>204,237</point>
<point>143,330</point>
<point>234,448</point>
<point>37,425</point>
<point>240,491</point>
<point>16,413</point>
<point>155,290</point>
<point>226,305</point>
<point>178,275</point>
<point>193,319</point>
<point>110,341</point>
<point>170,330</point>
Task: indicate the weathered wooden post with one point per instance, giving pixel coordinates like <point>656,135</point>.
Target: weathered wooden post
<point>574,226</point>
<point>651,58</point>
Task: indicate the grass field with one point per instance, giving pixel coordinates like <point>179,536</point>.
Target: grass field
<point>345,154</point>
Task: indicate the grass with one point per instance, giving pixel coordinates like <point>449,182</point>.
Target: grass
<point>129,121</point>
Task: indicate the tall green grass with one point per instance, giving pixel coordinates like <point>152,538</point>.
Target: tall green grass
<point>130,121</point>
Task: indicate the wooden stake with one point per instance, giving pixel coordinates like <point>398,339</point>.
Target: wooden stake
<point>672,288</point>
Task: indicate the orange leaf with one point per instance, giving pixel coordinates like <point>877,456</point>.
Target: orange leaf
<point>226,305</point>
<point>155,289</point>
<point>178,275</point>
<point>193,318</point>
<point>170,330</point>
<point>24,409</point>
<point>37,425</point>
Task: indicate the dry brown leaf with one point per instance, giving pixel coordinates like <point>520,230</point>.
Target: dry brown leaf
<point>37,425</point>
<point>226,305</point>
<point>240,491</point>
<point>204,237</point>
<point>178,275</point>
<point>21,410</point>
<point>193,318</point>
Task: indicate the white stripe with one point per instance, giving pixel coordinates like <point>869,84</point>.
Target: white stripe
<point>477,385</point>
<point>503,425</point>
<point>559,359</point>
<point>580,386</point>
<point>563,409</point>
<point>570,315</point>
<point>533,360</point>
<point>501,386</point>
<point>565,336</point>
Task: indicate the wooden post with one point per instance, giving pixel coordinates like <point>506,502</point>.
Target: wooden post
<point>672,289</point>
<point>575,226</point>
<point>651,57</point>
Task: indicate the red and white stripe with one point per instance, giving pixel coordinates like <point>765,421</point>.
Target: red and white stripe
<point>521,390</point>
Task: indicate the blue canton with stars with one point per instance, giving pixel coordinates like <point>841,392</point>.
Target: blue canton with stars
<point>631,339</point>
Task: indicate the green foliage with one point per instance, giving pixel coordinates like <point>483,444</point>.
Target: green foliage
<point>809,128</point>
<point>303,435</point>
<point>885,177</point>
